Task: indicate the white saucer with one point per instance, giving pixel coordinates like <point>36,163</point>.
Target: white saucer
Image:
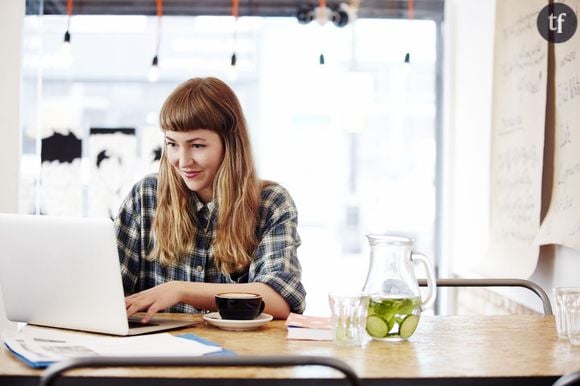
<point>216,320</point>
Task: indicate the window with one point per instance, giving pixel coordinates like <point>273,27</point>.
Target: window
<point>354,140</point>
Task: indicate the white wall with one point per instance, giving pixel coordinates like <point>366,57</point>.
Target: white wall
<point>469,34</point>
<point>468,74</point>
<point>11,14</point>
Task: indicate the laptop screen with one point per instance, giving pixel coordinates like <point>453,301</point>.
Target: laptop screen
<point>62,272</point>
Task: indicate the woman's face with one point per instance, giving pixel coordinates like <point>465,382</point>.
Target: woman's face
<point>196,156</point>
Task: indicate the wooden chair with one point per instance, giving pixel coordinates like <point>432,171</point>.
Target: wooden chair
<point>570,379</point>
<point>56,370</point>
<point>496,283</point>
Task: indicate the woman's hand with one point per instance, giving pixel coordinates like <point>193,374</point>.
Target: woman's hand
<point>201,296</point>
<point>154,299</point>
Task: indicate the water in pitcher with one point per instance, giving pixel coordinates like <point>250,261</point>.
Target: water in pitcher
<point>395,302</point>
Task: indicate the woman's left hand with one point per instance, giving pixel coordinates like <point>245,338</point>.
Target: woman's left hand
<point>154,299</point>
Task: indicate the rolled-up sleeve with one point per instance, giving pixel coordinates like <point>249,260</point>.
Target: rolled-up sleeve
<point>275,260</point>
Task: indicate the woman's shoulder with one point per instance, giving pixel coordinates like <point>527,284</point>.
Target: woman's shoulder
<point>146,186</point>
<point>142,196</point>
<point>271,188</point>
<point>275,195</point>
<point>148,181</point>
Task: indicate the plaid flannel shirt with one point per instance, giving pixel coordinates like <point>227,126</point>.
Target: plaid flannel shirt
<point>274,262</point>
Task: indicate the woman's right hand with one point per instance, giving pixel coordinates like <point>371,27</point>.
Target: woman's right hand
<point>155,299</point>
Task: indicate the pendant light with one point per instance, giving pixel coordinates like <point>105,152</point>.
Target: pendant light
<point>410,16</point>
<point>235,6</point>
<point>322,18</point>
<point>153,75</point>
<point>69,9</point>
<point>65,52</point>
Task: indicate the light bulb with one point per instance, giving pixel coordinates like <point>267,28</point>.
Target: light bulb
<point>153,75</point>
<point>233,73</point>
<point>66,48</point>
<point>64,57</point>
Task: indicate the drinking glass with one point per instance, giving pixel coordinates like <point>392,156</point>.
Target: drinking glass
<point>571,301</point>
<point>349,313</point>
<point>560,315</point>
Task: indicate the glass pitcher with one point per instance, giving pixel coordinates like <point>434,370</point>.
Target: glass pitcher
<point>395,300</point>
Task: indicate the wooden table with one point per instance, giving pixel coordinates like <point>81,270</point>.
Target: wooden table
<point>445,350</point>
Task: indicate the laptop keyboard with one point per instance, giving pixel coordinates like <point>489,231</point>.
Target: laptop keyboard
<point>134,324</point>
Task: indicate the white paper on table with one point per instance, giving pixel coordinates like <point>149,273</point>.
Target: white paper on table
<point>162,344</point>
<point>39,344</point>
<point>301,333</point>
<point>306,327</point>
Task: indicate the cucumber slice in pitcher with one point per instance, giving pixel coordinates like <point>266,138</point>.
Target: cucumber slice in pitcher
<point>408,326</point>
<point>376,327</point>
<point>406,306</point>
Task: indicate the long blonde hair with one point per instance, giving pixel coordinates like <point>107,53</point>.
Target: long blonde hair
<point>208,103</point>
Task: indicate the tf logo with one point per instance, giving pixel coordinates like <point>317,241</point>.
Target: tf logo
<point>557,22</point>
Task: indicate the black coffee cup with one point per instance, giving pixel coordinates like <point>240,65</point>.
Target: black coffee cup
<point>239,305</point>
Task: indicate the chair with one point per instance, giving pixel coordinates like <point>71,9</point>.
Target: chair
<point>496,283</point>
<point>570,379</point>
<point>54,371</point>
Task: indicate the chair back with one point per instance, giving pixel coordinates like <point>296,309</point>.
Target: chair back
<point>535,288</point>
<point>57,369</point>
<point>570,379</point>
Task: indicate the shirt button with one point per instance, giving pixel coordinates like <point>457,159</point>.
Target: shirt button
<point>199,268</point>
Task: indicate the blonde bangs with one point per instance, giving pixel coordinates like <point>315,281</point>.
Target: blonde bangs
<point>189,108</point>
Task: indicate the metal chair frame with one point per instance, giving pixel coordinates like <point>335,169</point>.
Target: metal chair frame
<point>570,379</point>
<point>55,370</point>
<point>535,288</point>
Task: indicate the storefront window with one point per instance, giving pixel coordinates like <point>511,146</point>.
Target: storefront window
<point>353,139</point>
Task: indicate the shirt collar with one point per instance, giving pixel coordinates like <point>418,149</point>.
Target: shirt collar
<point>199,206</point>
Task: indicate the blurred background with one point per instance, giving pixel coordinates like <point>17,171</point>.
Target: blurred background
<point>344,114</point>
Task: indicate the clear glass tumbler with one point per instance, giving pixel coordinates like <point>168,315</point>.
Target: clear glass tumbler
<point>571,301</point>
<point>561,322</point>
<point>349,313</point>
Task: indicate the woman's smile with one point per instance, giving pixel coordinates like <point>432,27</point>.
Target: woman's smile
<point>190,174</point>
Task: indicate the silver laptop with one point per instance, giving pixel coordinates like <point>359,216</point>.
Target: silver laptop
<point>64,272</point>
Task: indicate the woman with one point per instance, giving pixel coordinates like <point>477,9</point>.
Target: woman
<point>205,223</point>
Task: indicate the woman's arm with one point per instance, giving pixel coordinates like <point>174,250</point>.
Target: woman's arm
<point>275,260</point>
<point>201,296</point>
